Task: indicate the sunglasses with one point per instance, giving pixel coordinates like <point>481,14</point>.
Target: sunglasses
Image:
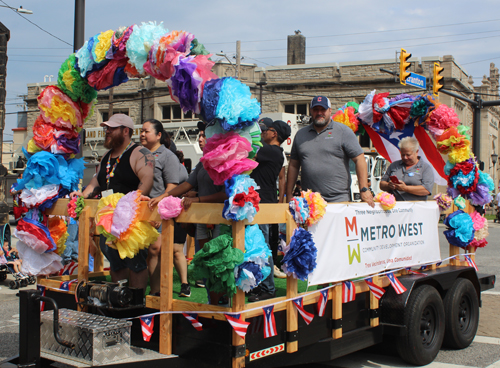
<point>111,129</point>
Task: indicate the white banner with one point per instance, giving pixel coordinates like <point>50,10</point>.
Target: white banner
<point>355,240</point>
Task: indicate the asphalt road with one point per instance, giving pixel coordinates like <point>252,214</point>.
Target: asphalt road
<point>484,352</point>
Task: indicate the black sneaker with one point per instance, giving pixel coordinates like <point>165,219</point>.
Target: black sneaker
<point>261,296</point>
<point>185,290</point>
<point>200,283</point>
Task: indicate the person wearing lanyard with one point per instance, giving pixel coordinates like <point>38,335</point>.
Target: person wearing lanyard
<point>409,179</point>
<point>124,168</point>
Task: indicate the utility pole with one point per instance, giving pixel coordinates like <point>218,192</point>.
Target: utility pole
<point>79,32</point>
<point>238,60</point>
<point>110,106</point>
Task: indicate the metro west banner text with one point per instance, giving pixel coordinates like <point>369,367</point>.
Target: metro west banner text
<point>355,240</point>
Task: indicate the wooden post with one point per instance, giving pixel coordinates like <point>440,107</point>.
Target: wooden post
<point>166,284</point>
<point>337,309</point>
<point>454,250</point>
<point>374,303</point>
<point>83,248</point>
<point>190,247</point>
<point>292,315</point>
<point>99,257</point>
<point>239,298</point>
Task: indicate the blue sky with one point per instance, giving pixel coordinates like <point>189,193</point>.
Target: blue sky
<point>335,31</point>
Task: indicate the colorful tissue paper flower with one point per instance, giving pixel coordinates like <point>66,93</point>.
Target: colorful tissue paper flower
<point>210,100</point>
<point>444,201</point>
<point>216,263</point>
<point>346,116</point>
<point>117,219</point>
<point>486,180</point>
<point>440,119</point>
<point>170,207</point>
<point>60,110</point>
<point>386,200</point>
<point>421,108</point>
<point>366,109</point>
<point>451,139</point>
<point>112,75</point>
<point>35,197</point>
<point>460,229</point>
<point>481,231</point>
<point>38,264</point>
<point>71,82</point>
<point>255,266</point>
<point>300,256</point>
<point>460,202</point>
<point>102,43</point>
<point>58,232</point>
<point>478,220</point>
<point>317,206</point>
<point>299,209</point>
<point>236,108</point>
<point>185,85</point>
<point>27,229</point>
<point>140,42</point>
<point>225,155</point>
<point>480,196</point>
<point>197,48</point>
<point>119,43</point>
<point>243,200</point>
<point>46,168</point>
<point>252,133</point>
<point>75,207</point>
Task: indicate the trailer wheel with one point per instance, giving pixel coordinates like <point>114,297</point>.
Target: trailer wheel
<point>462,314</point>
<point>13,284</point>
<point>424,319</point>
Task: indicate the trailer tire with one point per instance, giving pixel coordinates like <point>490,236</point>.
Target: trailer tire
<point>461,306</point>
<point>424,320</point>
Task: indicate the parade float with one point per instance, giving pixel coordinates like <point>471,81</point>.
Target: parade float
<point>355,274</point>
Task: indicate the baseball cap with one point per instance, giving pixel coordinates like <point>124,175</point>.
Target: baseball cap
<point>322,101</point>
<point>282,129</point>
<point>119,120</point>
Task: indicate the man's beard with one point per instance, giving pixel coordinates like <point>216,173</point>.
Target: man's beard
<point>320,124</point>
<point>114,142</point>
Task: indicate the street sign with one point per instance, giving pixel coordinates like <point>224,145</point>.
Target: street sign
<point>416,80</point>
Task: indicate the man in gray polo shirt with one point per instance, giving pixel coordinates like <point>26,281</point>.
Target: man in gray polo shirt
<point>323,150</point>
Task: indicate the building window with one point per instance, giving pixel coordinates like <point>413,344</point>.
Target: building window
<point>174,113</point>
<point>105,113</point>
<point>299,108</point>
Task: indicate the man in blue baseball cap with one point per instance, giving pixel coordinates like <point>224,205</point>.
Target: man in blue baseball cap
<point>323,150</point>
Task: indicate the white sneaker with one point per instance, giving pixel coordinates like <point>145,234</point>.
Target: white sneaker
<point>278,273</point>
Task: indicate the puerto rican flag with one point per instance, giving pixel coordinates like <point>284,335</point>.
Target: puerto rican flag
<point>348,292</point>
<point>269,322</point>
<point>376,290</point>
<point>240,326</point>
<point>66,285</point>
<point>147,324</point>
<point>42,290</point>
<point>423,268</point>
<point>69,269</point>
<point>193,318</point>
<point>308,317</point>
<point>387,146</point>
<point>323,299</point>
<point>396,284</point>
<point>470,262</point>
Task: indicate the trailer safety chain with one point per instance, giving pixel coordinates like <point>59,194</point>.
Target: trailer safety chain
<point>286,300</point>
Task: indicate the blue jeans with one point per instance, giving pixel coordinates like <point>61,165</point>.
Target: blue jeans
<point>71,251</point>
<point>267,286</point>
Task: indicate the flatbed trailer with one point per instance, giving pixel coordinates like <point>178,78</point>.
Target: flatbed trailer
<point>442,304</point>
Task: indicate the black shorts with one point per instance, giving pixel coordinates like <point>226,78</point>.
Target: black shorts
<point>136,264</point>
<point>179,233</point>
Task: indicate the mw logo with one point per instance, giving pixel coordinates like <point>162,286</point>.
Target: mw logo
<point>351,227</point>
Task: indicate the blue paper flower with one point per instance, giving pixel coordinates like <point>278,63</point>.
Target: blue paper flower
<point>300,259</point>
<point>460,229</point>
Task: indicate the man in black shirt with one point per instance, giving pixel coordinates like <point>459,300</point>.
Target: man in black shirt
<point>270,158</point>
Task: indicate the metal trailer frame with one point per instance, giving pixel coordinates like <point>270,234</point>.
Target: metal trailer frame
<point>345,328</point>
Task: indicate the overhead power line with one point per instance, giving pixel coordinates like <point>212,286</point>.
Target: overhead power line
<point>364,33</point>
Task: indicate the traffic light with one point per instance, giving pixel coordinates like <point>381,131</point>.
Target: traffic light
<point>404,64</point>
<point>437,79</point>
